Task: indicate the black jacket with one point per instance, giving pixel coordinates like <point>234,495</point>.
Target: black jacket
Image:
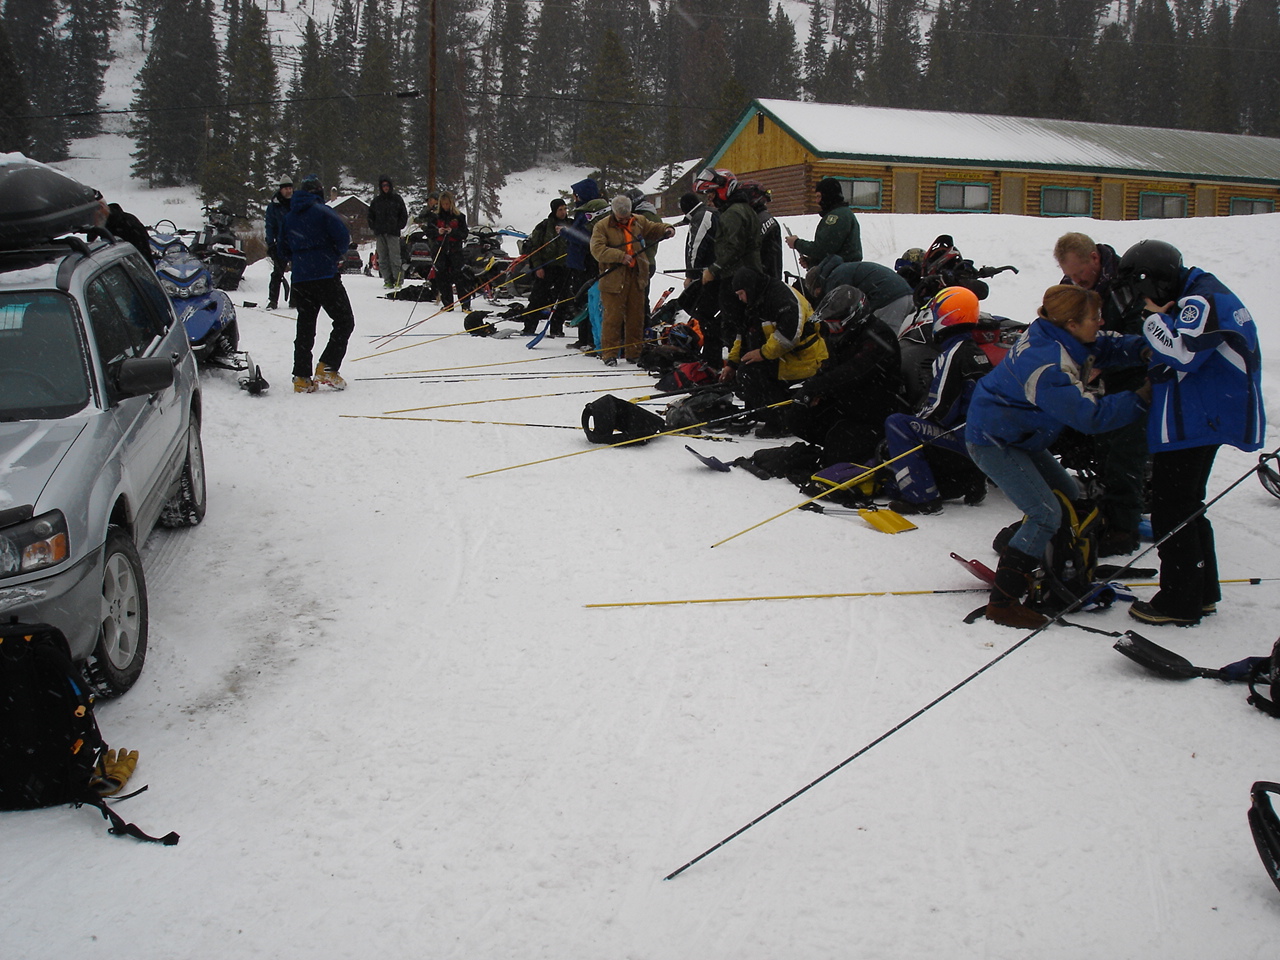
<point>387,212</point>
<point>863,374</point>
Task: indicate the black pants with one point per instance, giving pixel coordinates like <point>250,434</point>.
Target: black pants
<point>1188,561</point>
<point>577,280</point>
<point>311,296</point>
<point>547,289</point>
<point>277,279</point>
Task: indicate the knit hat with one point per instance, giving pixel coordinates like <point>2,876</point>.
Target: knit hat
<point>311,184</point>
<point>829,186</point>
<point>557,203</point>
<point>689,201</point>
<point>286,182</point>
<point>621,207</point>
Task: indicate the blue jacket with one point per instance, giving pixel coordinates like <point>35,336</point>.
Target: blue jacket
<point>1040,387</point>
<point>577,236</point>
<point>277,207</point>
<point>1206,370</point>
<point>314,237</point>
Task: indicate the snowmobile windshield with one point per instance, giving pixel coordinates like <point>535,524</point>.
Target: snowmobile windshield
<point>43,373</point>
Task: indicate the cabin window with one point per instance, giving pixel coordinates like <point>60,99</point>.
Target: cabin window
<point>964,197</point>
<point>1162,206</point>
<point>1240,206</point>
<point>1066,202</point>
<point>861,194</point>
<point>759,123</point>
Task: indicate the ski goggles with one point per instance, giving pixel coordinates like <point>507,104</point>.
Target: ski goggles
<point>1268,473</point>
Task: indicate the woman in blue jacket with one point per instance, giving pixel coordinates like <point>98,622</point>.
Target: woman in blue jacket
<point>1206,370</point>
<point>1046,383</point>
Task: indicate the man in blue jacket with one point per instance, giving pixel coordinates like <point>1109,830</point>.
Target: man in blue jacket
<point>316,239</point>
<point>1206,373</point>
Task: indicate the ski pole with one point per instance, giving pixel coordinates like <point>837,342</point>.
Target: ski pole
<point>532,396</point>
<point>623,443</point>
<point>495,423</point>
<point>405,329</point>
<point>799,272</point>
<point>793,596</point>
<point>498,375</point>
<point>853,481</point>
<point>505,363</point>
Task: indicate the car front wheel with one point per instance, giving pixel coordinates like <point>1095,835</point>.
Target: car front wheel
<point>121,650</point>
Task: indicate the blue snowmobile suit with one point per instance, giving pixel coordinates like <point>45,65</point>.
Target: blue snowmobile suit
<point>314,237</point>
<point>1212,335</point>
<point>1046,383</point>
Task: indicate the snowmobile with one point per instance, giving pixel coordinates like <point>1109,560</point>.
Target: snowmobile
<point>206,312</point>
<point>217,246</point>
<point>492,267</point>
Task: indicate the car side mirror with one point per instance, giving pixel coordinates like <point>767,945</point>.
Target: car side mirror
<point>140,375</point>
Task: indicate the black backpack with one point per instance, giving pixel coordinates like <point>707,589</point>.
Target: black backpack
<point>613,420</point>
<point>1265,673</point>
<point>50,745</point>
<point>1070,561</point>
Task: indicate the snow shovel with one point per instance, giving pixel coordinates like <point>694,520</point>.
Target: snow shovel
<point>886,520</point>
<point>715,463</point>
<point>1173,666</point>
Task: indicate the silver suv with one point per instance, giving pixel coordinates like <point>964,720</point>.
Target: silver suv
<point>99,442</point>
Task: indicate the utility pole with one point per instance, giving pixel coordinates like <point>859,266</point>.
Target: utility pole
<point>431,110</point>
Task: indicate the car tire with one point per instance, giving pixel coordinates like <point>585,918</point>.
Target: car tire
<point>121,650</point>
<point>187,508</point>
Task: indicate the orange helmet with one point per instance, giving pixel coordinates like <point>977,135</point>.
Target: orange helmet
<point>953,307</point>
<point>720,183</point>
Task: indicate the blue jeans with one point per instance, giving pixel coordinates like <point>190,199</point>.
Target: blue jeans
<point>1028,478</point>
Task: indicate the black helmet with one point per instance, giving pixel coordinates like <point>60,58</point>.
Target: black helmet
<point>1150,269</point>
<point>843,308</point>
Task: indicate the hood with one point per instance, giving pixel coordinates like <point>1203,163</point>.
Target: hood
<point>304,200</point>
<point>30,451</point>
<point>744,278</point>
<point>387,180</point>
<point>586,190</point>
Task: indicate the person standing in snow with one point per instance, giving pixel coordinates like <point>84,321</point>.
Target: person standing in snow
<point>737,245</point>
<point>1123,452</point>
<point>546,262</point>
<point>450,229</point>
<point>618,244</point>
<point>770,231</point>
<point>699,253</point>
<point>837,233</point>
<point>277,207</point>
<point>387,217</point>
<point>588,205</point>
<point>316,240</point>
<point>1206,368</point>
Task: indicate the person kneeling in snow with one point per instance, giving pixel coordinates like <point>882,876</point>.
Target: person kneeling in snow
<point>778,345</point>
<point>956,371</point>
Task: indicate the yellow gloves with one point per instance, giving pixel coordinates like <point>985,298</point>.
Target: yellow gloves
<point>114,771</point>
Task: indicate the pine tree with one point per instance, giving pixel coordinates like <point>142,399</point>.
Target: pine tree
<point>515,150</point>
<point>15,107</point>
<point>1156,75</point>
<point>33,38</point>
<point>1256,36</point>
<point>609,132</point>
<point>893,77</point>
<point>555,72</point>
<point>175,105</point>
<point>378,141</point>
<point>242,160</point>
<point>342,54</point>
<point>311,116</point>
<point>784,76</point>
<point>815,51</point>
<point>487,176</point>
<point>86,53</point>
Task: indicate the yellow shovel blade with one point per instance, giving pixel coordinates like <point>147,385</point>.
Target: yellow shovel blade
<point>886,521</point>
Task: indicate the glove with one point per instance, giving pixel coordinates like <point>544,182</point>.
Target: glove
<point>113,772</point>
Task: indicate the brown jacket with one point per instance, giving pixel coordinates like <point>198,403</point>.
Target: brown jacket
<point>608,246</point>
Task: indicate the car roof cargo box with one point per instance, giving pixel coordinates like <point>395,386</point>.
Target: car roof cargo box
<point>38,202</point>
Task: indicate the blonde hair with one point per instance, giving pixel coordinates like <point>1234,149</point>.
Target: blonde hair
<point>1077,243</point>
<point>453,207</point>
<point>1064,302</point>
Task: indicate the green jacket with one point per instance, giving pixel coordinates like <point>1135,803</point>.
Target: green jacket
<point>553,253</point>
<point>837,233</point>
<point>737,240</point>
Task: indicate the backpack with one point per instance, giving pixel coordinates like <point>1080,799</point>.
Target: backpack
<point>51,751</point>
<point>1266,672</point>
<point>1067,571</point>
<point>613,420</point>
<point>711,403</point>
<point>685,375</point>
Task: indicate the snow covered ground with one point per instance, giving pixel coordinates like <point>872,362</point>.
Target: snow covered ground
<point>385,725</point>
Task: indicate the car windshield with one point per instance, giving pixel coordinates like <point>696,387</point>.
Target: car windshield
<point>43,372</point>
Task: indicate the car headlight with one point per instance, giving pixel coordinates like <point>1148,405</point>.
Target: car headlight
<point>34,544</point>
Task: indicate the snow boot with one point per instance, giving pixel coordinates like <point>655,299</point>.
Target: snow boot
<point>1013,581</point>
<point>329,377</point>
<point>304,385</point>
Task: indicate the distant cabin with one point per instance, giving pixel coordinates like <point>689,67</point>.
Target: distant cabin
<point>355,214</point>
<point>668,184</point>
<point>923,161</point>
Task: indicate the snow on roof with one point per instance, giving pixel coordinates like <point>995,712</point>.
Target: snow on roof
<point>922,136</point>
<point>337,201</point>
<point>655,183</point>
